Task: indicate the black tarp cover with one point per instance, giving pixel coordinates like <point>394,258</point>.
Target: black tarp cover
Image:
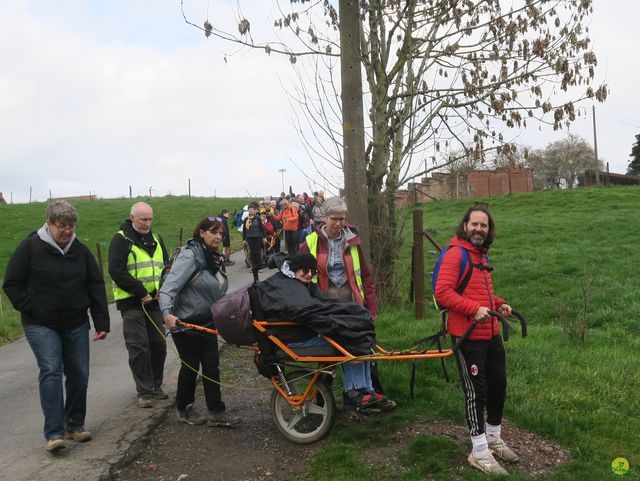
<point>348,323</point>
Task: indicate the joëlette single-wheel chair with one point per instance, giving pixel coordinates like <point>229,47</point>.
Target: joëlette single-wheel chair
<point>303,406</point>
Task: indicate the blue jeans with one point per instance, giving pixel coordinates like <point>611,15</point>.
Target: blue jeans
<point>357,375</point>
<point>58,352</point>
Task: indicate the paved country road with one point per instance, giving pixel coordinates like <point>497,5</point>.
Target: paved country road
<point>113,416</point>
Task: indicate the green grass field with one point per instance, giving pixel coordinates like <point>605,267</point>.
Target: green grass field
<point>174,220</point>
<point>566,259</point>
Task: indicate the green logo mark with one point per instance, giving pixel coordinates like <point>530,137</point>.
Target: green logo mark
<point>620,466</point>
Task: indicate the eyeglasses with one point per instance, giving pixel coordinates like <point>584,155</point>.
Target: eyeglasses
<point>309,270</point>
<point>215,219</point>
<point>68,227</point>
<point>335,220</point>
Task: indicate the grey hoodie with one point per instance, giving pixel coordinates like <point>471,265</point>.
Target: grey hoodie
<point>45,235</point>
<point>189,296</point>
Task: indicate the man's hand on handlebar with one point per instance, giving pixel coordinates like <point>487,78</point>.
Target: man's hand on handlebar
<point>505,310</point>
<point>482,314</point>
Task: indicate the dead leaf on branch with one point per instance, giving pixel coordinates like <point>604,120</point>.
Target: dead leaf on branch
<point>208,28</point>
<point>244,26</point>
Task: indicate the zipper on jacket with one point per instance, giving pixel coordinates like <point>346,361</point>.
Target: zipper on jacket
<point>486,281</point>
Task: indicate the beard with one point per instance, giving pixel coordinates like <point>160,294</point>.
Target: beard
<point>476,238</point>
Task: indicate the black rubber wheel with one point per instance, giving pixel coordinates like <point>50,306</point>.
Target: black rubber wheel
<point>313,420</point>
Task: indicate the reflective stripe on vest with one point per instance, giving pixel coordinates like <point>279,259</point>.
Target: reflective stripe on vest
<point>142,267</point>
<point>312,243</point>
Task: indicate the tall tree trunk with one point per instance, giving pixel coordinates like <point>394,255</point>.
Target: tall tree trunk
<point>355,179</point>
<point>384,247</point>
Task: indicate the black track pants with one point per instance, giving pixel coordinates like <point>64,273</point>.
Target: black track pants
<point>482,369</point>
<point>255,251</point>
<point>291,239</point>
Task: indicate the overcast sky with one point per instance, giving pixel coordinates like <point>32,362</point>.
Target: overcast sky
<point>97,96</point>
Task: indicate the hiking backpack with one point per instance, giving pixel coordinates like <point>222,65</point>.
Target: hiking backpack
<point>167,267</point>
<point>232,318</point>
<point>237,219</point>
<point>464,274</point>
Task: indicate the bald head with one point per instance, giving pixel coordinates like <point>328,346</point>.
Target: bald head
<point>141,217</point>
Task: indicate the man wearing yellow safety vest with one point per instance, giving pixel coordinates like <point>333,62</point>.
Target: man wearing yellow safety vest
<point>136,259</point>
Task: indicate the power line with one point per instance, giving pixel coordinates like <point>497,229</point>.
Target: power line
<point>620,120</point>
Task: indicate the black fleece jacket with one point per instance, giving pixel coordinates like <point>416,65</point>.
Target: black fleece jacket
<point>55,290</point>
<point>118,253</point>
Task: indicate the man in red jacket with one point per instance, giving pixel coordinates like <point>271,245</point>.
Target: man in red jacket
<point>480,359</point>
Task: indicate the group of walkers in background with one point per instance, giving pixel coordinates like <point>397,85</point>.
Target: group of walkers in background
<point>267,223</point>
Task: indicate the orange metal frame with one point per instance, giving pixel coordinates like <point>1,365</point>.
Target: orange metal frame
<point>296,401</point>
<point>380,354</point>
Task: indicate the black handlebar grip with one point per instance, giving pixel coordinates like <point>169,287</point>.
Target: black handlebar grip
<point>503,321</point>
<point>523,321</point>
<point>505,324</point>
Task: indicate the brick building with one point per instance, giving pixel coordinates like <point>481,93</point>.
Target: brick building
<point>606,178</point>
<point>477,183</point>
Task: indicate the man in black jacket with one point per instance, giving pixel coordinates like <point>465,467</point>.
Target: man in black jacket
<point>136,260</point>
<point>253,236</point>
<point>226,238</point>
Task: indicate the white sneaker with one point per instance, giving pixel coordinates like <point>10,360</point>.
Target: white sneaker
<point>485,462</point>
<point>502,451</point>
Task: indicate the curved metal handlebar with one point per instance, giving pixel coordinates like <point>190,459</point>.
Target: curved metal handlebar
<point>523,321</point>
<point>503,321</point>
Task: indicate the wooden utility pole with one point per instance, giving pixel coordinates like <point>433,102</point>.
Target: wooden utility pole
<point>595,145</point>
<point>418,264</point>
<point>355,179</point>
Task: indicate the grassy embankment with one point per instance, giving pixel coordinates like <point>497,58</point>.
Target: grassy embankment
<point>583,395</point>
<point>98,221</point>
